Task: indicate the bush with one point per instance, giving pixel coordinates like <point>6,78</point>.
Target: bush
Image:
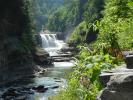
<point>84,82</point>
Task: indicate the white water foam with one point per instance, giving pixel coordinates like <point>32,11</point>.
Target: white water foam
<point>51,44</point>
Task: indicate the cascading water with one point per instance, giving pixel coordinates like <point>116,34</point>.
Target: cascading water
<point>50,43</point>
<point>48,40</point>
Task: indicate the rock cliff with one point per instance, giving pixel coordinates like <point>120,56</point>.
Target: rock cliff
<point>16,45</point>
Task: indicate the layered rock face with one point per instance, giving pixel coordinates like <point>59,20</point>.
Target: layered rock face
<point>119,83</point>
<point>15,40</point>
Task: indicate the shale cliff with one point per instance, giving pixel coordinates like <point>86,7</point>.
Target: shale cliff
<point>16,43</point>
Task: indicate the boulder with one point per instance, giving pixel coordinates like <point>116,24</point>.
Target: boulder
<point>119,87</point>
<point>40,89</point>
<point>42,57</point>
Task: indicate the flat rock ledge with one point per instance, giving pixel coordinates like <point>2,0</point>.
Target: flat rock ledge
<point>122,70</point>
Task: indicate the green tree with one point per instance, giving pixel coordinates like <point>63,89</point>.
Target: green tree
<point>114,27</point>
<point>91,12</point>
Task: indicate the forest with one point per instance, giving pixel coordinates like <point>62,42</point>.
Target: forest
<point>97,41</point>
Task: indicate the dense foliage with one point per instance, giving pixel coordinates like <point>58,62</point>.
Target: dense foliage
<point>84,31</point>
<point>116,25</point>
<point>16,29</point>
<point>73,12</point>
<point>27,44</point>
<point>42,10</point>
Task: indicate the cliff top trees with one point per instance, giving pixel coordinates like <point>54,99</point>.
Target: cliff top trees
<point>117,22</point>
<point>42,10</point>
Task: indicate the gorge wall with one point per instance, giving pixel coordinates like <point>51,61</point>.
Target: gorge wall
<point>16,44</point>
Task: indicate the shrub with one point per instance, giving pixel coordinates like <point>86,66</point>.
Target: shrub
<point>84,82</point>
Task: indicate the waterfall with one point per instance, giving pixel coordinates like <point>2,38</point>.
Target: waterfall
<point>50,43</point>
<point>49,40</point>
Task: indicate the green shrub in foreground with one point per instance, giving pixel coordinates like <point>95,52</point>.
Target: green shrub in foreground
<point>83,83</point>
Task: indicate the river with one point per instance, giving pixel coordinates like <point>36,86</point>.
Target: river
<point>54,79</point>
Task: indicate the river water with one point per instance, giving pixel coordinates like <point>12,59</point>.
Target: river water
<point>54,78</point>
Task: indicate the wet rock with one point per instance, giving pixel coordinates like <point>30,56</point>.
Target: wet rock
<point>55,87</point>
<point>37,87</point>
<point>42,71</point>
<point>69,49</point>
<point>40,89</point>
<point>56,78</point>
<point>62,59</point>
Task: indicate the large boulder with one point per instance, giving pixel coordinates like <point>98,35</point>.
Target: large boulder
<point>120,87</point>
<point>42,57</point>
<point>118,83</point>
